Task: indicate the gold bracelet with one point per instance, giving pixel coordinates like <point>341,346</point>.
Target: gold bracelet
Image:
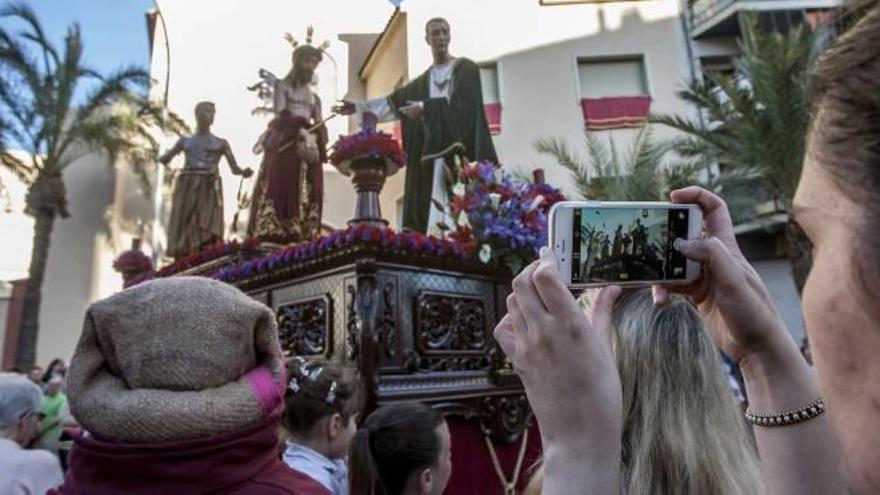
<point>809,411</point>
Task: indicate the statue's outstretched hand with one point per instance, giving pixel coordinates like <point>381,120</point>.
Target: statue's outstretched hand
<point>412,109</point>
<point>344,107</point>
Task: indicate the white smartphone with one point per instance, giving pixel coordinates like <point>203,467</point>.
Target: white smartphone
<point>602,243</point>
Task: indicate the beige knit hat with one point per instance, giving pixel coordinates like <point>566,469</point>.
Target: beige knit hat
<point>175,359</point>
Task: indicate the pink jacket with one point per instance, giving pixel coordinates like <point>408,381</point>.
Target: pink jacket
<point>240,463</point>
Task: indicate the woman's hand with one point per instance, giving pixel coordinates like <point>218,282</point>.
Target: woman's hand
<point>564,360</point>
<point>732,299</point>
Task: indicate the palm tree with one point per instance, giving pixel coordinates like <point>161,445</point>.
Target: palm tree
<point>757,120</point>
<point>38,83</point>
<point>644,173</point>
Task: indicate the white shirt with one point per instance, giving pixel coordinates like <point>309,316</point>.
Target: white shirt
<point>27,472</point>
<point>333,474</point>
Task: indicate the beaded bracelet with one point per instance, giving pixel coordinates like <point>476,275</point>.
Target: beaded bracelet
<point>809,411</point>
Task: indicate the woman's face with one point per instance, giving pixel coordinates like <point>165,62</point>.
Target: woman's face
<point>838,307</point>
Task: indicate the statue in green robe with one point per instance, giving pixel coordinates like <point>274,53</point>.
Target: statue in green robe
<point>442,115</point>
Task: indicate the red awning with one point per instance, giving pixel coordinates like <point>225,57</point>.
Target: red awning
<point>493,115</point>
<point>616,111</point>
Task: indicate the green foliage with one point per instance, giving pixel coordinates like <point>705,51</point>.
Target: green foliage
<point>645,172</point>
<point>38,82</point>
<point>755,122</point>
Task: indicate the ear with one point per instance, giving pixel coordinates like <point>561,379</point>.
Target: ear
<point>426,481</point>
<point>334,425</point>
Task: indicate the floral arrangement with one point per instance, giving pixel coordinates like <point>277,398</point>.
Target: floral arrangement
<point>133,261</point>
<point>367,143</point>
<point>498,216</point>
<point>387,239</point>
<point>409,243</point>
<point>211,253</point>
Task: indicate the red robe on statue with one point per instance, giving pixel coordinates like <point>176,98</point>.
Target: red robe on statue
<point>288,195</point>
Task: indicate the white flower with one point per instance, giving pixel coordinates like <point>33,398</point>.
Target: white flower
<point>463,221</point>
<point>495,198</point>
<point>536,202</point>
<point>458,189</point>
<point>498,176</point>
<point>485,254</point>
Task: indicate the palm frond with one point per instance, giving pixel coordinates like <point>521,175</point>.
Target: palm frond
<point>559,150</point>
<point>24,12</point>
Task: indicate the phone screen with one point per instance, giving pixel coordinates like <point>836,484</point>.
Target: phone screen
<point>627,244</point>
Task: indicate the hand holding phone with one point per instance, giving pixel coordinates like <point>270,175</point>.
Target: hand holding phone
<point>623,243</point>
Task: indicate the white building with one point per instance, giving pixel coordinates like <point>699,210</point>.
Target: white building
<point>105,204</point>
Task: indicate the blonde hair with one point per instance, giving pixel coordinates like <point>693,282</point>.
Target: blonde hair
<point>683,431</point>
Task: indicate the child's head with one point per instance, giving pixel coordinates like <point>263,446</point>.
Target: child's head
<point>401,449</point>
<point>321,405</point>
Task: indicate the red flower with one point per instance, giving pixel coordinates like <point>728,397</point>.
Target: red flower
<point>469,171</point>
<point>464,237</point>
<point>532,221</point>
<point>461,203</point>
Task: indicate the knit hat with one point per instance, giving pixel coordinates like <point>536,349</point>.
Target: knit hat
<point>175,359</point>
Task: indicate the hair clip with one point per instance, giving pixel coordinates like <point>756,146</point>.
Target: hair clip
<point>293,386</point>
<point>331,394</point>
<point>313,374</point>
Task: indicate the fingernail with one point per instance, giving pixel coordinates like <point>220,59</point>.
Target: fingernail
<point>658,299</point>
<point>678,244</point>
<point>542,251</point>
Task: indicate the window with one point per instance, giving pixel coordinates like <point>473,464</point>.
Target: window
<point>614,92</point>
<point>491,96</point>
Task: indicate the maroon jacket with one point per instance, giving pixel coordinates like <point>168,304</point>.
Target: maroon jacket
<point>239,463</point>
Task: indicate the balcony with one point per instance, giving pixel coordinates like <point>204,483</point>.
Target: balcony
<point>720,18</point>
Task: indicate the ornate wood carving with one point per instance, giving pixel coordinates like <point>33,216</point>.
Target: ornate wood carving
<point>505,416</point>
<point>386,325</point>
<point>366,309</point>
<point>452,333</point>
<point>351,327</point>
<point>304,326</point>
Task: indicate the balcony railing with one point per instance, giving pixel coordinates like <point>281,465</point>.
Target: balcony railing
<point>720,17</point>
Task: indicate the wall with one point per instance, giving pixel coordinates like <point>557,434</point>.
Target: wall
<point>385,70</point>
<point>79,269</point>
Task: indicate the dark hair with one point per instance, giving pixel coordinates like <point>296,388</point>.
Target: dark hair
<point>394,442</point>
<point>315,390</point>
<point>433,20</point>
<point>844,135</point>
<point>296,74</point>
<point>49,371</point>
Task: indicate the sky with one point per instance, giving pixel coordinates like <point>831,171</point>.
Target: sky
<point>114,31</point>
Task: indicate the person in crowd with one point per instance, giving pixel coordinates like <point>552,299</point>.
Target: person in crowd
<point>56,368</point>
<point>53,413</point>
<point>401,449</point>
<point>683,431</point>
<point>556,350</point>
<point>36,375</point>
<point>320,417</point>
<point>179,384</point>
<point>23,472</point>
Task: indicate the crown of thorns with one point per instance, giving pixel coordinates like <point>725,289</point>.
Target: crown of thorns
<point>310,33</point>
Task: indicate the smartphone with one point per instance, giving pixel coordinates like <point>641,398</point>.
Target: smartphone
<point>603,243</point>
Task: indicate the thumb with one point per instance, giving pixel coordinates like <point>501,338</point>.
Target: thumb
<point>715,255</point>
<point>505,336</point>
